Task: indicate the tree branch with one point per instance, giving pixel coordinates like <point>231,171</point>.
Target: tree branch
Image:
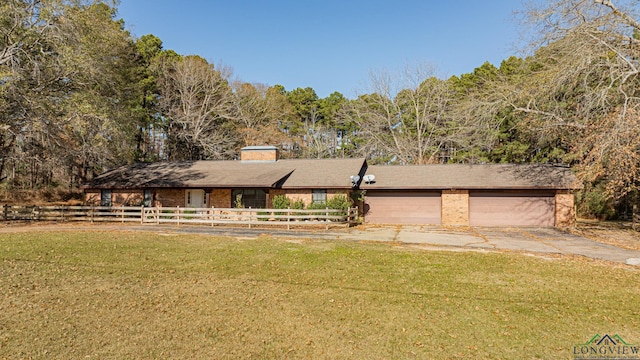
<point>628,19</point>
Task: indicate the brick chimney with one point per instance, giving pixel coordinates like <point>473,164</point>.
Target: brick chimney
<point>259,154</point>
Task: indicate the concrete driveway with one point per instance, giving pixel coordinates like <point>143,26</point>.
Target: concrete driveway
<point>527,240</point>
<point>533,240</point>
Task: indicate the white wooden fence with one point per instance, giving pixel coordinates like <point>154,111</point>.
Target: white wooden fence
<point>176,215</point>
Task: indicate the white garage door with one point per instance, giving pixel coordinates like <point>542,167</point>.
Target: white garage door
<point>402,207</point>
<point>511,209</point>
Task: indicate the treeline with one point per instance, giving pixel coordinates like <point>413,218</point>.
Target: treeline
<point>80,95</point>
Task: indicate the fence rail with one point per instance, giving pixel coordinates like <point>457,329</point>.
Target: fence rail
<point>178,215</point>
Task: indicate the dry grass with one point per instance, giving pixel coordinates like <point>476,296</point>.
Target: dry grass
<point>618,233</point>
<point>117,295</point>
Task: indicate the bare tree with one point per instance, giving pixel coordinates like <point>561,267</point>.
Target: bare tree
<point>318,138</point>
<point>198,105</point>
<point>258,109</point>
<point>414,118</point>
<point>584,87</point>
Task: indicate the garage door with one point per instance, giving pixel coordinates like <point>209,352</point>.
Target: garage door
<point>511,209</point>
<point>402,207</point>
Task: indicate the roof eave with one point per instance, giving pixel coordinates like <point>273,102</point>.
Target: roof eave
<point>497,188</point>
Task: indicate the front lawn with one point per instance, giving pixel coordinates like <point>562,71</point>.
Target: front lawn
<point>120,295</point>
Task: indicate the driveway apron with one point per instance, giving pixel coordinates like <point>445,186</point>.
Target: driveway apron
<point>526,239</point>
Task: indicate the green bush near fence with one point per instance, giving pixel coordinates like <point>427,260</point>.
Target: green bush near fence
<point>281,202</point>
<point>297,204</point>
<point>339,202</point>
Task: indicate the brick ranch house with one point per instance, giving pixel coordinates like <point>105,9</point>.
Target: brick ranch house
<point>483,195</point>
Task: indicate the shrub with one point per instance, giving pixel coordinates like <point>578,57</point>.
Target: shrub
<point>339,202</point>
<point>298,204</point>
<point>238,202</point>
<point>281,202</point>
<point>317,206</point>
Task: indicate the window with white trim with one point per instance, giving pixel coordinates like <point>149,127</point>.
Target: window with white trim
<point>148,197</point>
<point>319,196</point>
<point>105,197</point>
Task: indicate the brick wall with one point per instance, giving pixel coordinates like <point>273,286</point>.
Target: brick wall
<point>92,197</point>
<point>118,197</point>
<point>220,198</point>
<point>169,197</point>
<point>127,197</point>
<point>455,207</point>
<point>304,195</point>
<point>259,154</point>
<point>565,209</point>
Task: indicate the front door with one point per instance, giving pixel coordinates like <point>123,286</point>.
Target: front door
<point>194,198</point>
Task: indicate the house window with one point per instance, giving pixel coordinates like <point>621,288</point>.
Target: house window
<point>105,197</point>
<point>319,196</point>
<point>147,197</point>
<point>249,198</point>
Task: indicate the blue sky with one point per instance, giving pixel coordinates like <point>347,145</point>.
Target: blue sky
<point>330,45</point>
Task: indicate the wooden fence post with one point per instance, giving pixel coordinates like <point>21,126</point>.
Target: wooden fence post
<point>142,214</point>
<point>288,218</point>
<point>5,212</point>
<point>326,219</point>
<point>213,215</point>
<point>157,214</point>
<point>351,214</point>
<point>249,217</point>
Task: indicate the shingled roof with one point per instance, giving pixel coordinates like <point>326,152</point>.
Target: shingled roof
<point>307,173</point>
<point>333,173</point>
<point>322,173</point>
<point>459,176</point>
